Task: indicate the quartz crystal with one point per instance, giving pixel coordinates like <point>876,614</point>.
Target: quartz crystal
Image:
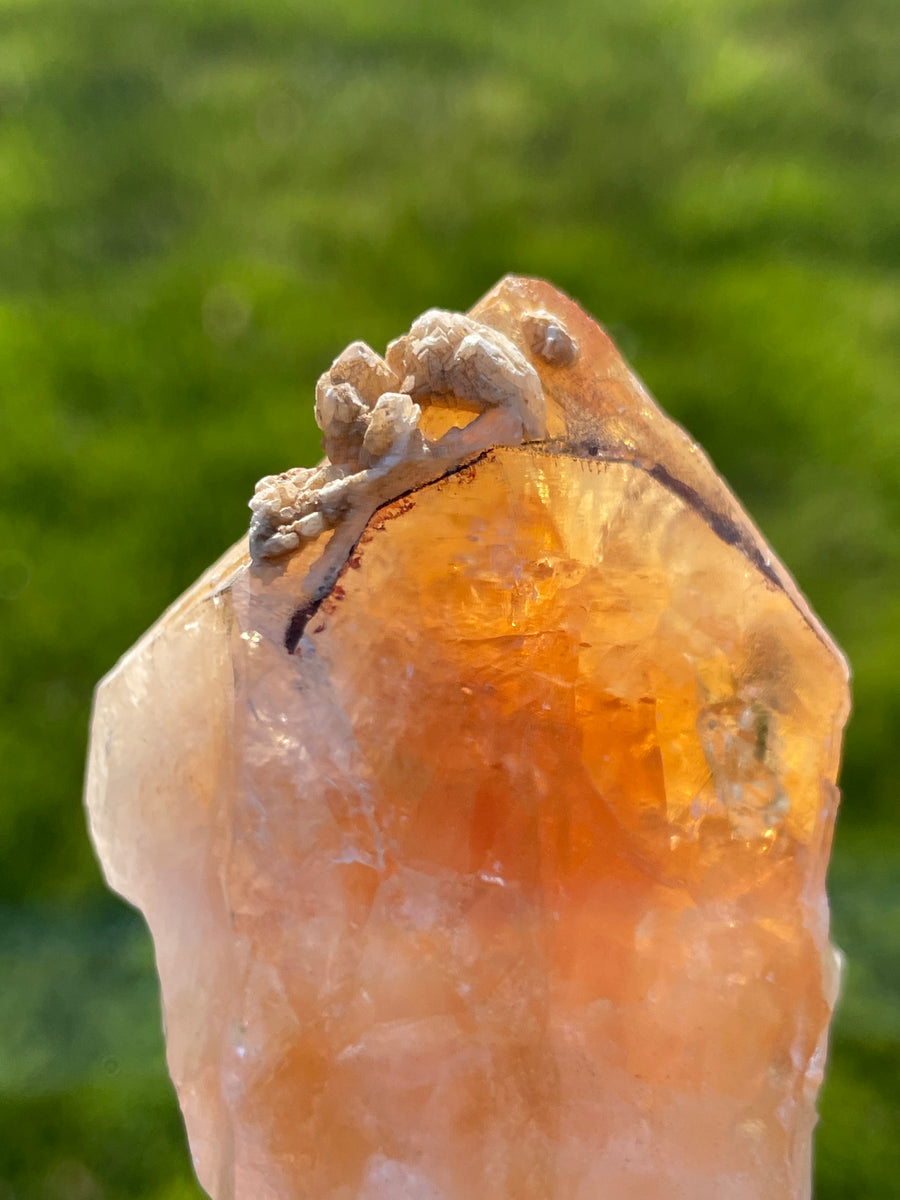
<point>480,804</point>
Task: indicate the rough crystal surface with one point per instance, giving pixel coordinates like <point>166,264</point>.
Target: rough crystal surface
<point>482,827</point>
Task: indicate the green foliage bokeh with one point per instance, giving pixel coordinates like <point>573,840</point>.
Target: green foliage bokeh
<point>202,201</point>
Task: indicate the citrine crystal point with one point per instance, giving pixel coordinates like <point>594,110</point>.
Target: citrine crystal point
<point>606,410</point>
<point>480,806</point>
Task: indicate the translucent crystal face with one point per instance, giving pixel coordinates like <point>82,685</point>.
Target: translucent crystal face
<point>483,833</point>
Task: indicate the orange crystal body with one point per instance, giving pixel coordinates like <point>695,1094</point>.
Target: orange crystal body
<point>507,881</point>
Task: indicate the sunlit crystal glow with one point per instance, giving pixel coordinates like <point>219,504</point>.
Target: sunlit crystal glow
<point>496,868</point>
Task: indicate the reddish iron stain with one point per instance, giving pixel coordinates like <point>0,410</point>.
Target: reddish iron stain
<point>397,509</point>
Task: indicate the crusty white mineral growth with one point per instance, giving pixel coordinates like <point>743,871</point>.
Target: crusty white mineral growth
<point>480,807</point>
<point>549,339</point>
<point>368,409</point>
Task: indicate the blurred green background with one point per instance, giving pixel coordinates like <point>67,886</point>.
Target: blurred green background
<point>202,201</point>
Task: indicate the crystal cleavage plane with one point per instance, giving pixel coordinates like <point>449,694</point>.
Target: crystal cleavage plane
<point>480,805</point>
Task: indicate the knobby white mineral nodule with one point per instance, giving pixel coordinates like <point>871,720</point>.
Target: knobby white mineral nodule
<point>480,804</point>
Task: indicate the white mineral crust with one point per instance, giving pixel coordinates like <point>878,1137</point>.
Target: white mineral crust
<point>369,421</point>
